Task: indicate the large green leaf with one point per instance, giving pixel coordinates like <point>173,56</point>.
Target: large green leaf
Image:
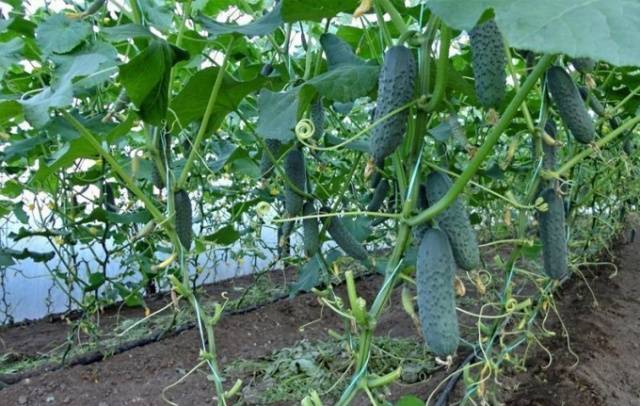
<point>346,82</point>
<point>146,79</point>
<point>59,34</point>
<point>126,32</point>
<point>261,26</point>
<point>278,114</point>
<point>349,77</point>
<point>190,104</point>
<point>10,53</point>
<point>315,10</point>
<point>605,30</point>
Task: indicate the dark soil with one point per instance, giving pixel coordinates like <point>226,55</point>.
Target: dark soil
<point>604,337</point>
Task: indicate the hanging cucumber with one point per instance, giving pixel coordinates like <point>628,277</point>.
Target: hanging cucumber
<point>379,194</point>
<point>294,169</point>
<point>345,240</point>
<point>569,104</point>
<point>583,65</point>
<point>183,218</point>
<point>489,62</point>
<point>163,148</point>
<point>435,270</point>
<point>317,117</point>
<point>455,222</point>
<point>553,236</point>
<point>311,236</point>
<point>592,101</point>
<point>395,89</point>
<point>266,165</point>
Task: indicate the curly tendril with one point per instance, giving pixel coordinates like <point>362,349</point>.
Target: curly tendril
<point>305,129</point>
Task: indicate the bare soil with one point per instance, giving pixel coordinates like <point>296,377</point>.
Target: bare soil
<point>603,336</point>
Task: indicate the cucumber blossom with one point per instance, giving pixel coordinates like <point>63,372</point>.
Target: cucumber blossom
<point>435,270</point>
<point>489,61</point>
<point>553,236</point>
<point>183,218</point>
<point>379,194</point>
<point>345,240</point>
<point>266,165</point>
<point>395,89</point>
<point>294,169</point>
<point>569,104</point>
<point>311,233</point>
<point>455,222</point>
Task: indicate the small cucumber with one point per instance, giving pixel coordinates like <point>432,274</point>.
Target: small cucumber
<point>553,236</point>
<point>311,236</point>
<point>183,218</point>
<point>294,169</point>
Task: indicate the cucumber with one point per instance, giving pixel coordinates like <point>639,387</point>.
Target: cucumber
<point>183,218</point>
<point>317,117</point>
<point>266,165</point>
<point>379,194</point>
<point>294,169</point>
<point>395,89</point>
<point>345,240</point>
<point>163,148</point>
<point>109,199</point>
<point>583,65</point>
<point>435,270</point>
<point>455,222</point>
<point>311,236</point>
<point>552,235</point>
<point>266,69</point>
<point>569,104</point>
<point>592,101</point>
<point>489,62</point>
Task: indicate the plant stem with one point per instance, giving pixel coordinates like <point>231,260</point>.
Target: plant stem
<point>396,18</point>
<point>487,147</point>
<point>441,69</point>
<point>205,120</point>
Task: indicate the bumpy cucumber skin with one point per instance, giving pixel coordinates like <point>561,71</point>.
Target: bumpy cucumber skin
<point>345,240</point>
<point>584,65</point>
<point>311,237</point>
<point>266,165</point>
<point>435,270</point>
<point>183,218</point>
<point>379,194</point>
<point>552,235</point>
<point>570,106</point>
<point>295,170</point>
<point>489,63</point>
<point>395,89</point>
<point>317,117</point>
<point>592,101</point>
<point>455,222</point>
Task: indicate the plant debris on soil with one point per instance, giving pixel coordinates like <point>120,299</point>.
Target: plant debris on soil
<point>282,349</point>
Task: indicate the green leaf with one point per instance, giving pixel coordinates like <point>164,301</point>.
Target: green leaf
<point>346,82</point>
<point>225,236</point>
<point>21,215</point>
<point>262,26</point>
<point>146,79</point>
<point>190,104</point>
<point>59,34</point>
<point>278,114</point>
<point>159,13</point>
<point>600,29</point>
<point>338,51</point>
<point>315,10</point>
<point>9,109</point>
<point>410,400</point>
<point>10,52</point>
<point>126,32</point>
<point>310,277</point>
<point>12,189</point>
<point>96,279</point>
<point>21,148</point>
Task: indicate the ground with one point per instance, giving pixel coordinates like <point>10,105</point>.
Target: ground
<point>602,335</point>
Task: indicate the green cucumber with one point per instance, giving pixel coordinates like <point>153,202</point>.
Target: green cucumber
<point>570,106</point>
<point>553,236</point>
<point>489,62</point>
<point>109,198</point>
<point>317,117</point>
<point>455,222</point>
<point>583,65</point>
<point>592,101</point>
<point>311,233</point>
<point>379,194</point>
<point>163,148</point>
<point>435,270</point>
<point>345,240</point>
<point>183,218</point>
<point>549,159</point>
<point>294,169</point>
<point>266,165</point>
<point>395,89</point>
